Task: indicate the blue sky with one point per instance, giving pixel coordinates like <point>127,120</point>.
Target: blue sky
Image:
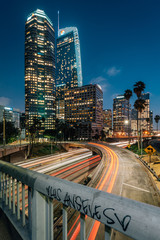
<point>120,44</point>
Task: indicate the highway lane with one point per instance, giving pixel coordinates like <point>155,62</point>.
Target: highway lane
<point>133,181</point>
<point>31,163</point>
<point>105,183</point>
<point>124,176</point>
<point>72,166</point>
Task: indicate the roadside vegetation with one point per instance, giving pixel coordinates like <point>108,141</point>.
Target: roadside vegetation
<point>11,133</point>
<point>134,148</point>
<point>42,149</point>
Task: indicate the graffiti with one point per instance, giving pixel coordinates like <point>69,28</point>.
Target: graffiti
<point>84,206</point>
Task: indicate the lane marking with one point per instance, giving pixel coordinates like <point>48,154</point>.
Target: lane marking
<point>141,189</point>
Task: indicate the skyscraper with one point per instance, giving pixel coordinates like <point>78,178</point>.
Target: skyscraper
<point>69,72</point>
<point>39,69</point>
<point>120,115</point>
<point>68,68</point>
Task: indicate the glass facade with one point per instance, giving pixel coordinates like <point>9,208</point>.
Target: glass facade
<point>39,69</point>
<point>10,115</point>
<point>69,70</point>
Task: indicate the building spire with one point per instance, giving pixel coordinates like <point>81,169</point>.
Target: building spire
<point>58,21</point>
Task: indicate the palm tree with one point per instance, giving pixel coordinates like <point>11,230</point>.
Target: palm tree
<point>139,105</point>
<point>128,95</point>
<point>157,118</point>
<point>139,88</point>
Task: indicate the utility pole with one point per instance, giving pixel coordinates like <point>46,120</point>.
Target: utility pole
<point>4,129</point>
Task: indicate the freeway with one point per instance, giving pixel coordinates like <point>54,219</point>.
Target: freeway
<point>123,175</point>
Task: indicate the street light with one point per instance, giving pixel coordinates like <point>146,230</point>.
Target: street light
<point>126,122</point>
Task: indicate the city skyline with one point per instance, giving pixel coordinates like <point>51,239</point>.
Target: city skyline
<point>126,50</point>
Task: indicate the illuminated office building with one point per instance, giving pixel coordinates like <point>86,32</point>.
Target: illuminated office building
<point>107,121</point>
<point>68,68</point>
<point>145,117</point>
<point>69,72</point>
<point>107,118</point>
<point>39,69</point>
<point>120,116</point>
<point>11,115</point>
<point>84,110</point>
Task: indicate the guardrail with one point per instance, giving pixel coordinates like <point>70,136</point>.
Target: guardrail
<point>134,219</point>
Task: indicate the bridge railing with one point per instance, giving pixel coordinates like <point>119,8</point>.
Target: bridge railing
<point>134,219</point>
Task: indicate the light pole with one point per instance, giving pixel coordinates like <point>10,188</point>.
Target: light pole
<point>126,122</point>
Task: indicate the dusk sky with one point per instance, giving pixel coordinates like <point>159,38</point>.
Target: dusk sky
<point>119,40</point>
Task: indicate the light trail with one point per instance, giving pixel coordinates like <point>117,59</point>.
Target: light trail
<point>85,163</point>
<point>96,225</point>
<point>73,166</point>
<point>40,161</point>
<point>114,165</point>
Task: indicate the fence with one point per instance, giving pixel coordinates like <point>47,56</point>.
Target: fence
<point>134,219</point>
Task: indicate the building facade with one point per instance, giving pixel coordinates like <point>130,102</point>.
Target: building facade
<point>107,121</point>
<point>39,70</point>
<point>11,115</point>
<point>120,116</point>
<point>145,118</point>
<point>68,66</point>
<point>84,110</point>
<point>134,122</point>
<point>69,70</point>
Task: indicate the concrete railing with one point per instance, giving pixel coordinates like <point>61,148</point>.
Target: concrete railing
<point>134,219</point>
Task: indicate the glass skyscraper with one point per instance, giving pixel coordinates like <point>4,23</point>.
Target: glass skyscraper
<point>69,70</point>
<point>39,69</point>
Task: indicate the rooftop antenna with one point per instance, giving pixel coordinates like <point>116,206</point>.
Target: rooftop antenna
<point>58,21</point>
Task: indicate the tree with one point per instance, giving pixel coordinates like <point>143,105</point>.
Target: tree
<point>11,133</point>
<point>139,88</point>
<point>128,95</point>
<point>139,105</point>
<point>157,118</point>
<point>34,129</point>
<point>103,135</point>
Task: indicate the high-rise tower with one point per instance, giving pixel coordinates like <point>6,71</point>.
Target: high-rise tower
<point>39,69</point>
<point>68,68</point>
<point>69,71</point>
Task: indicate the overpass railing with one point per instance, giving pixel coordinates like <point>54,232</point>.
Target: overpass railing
<point>134,219</point>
